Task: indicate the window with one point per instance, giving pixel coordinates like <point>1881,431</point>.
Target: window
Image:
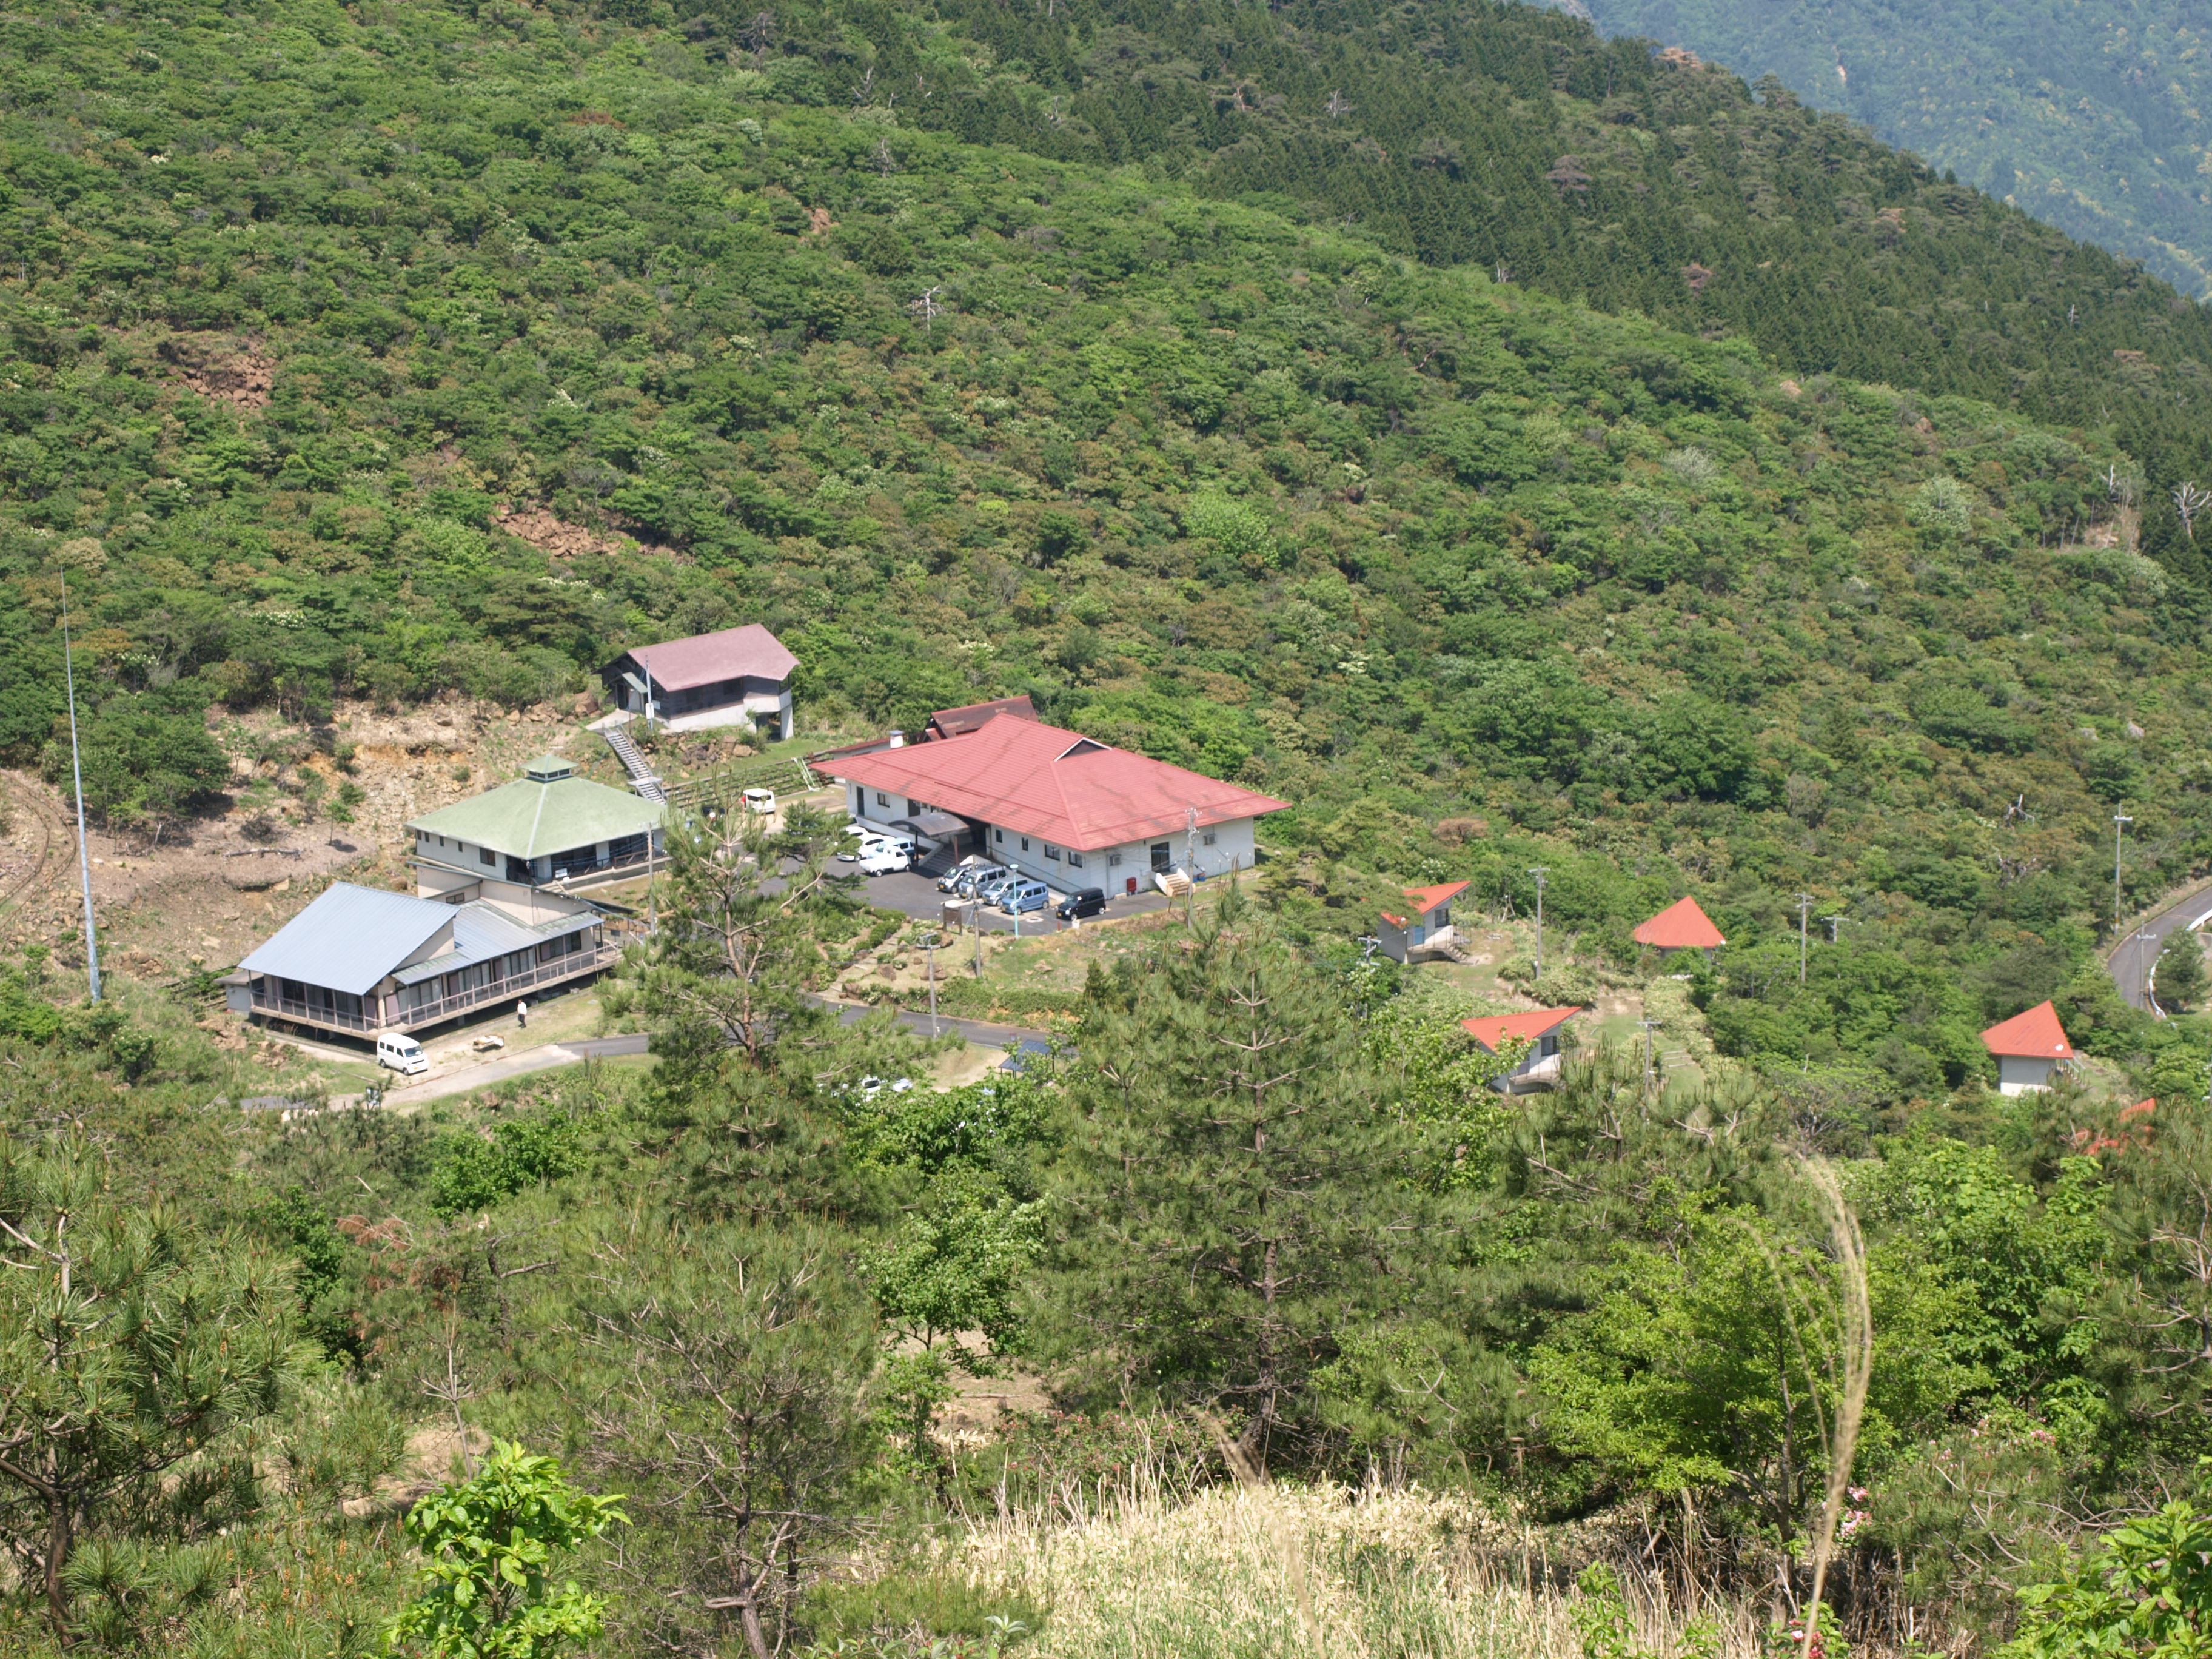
<point>1025,843</point>
<point>1113,859</point>
<point>882,800</point>
<point>1206,840</point>
<point>484,855</point>
<point>1052,852</point>
<point>1076,859</point>
<point>999,835</point>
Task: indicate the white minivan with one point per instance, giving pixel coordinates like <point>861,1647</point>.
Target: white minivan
<point>401,1053</point>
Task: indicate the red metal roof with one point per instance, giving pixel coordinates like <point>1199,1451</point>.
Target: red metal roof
<point>1058,785</point>
<point>2035,1035</point>
<point>1680,926</point>
<point>750,653</point>
<point>1532,1026</point>
<point>958,722</point>
<point>1426,899</point>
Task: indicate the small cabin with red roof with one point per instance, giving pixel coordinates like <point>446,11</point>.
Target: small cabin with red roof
<point>2030,1048</point>
<point>1540,1029</point>
<point>1427,920</point>
<point>1682,925</point>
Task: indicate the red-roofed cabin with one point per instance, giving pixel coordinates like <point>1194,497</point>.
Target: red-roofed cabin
<point>1539,1067</point>
<point>1682,925</point>
<point>2030,1047</point>
<point>725,678</point>
<point>1427,920</point>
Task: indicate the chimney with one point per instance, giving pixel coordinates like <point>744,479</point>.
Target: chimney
<point>898,739</point>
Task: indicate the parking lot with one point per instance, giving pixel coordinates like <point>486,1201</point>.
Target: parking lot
<point>917,895</point>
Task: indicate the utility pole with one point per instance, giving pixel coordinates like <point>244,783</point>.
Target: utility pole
<point>978,919</point>
<point>929,945</point>
<point>76,776</point>
<point>2120,819</point>
<point>1540,872</point>
<point>1804,909</point>
<point>1650,1026</point>
<point>1835,928</point>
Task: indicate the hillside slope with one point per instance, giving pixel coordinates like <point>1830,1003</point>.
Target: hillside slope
<point>360,351</point>
<point>1519,140</point>
<point>2088,117</point>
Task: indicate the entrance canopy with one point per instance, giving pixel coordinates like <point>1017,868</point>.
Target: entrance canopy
<point>937,826</point>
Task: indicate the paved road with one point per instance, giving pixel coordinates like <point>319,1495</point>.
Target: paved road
<point>2131,964</point>
<point>546,1056</point>
<point>520,1063</point>
<point>981,1033</point>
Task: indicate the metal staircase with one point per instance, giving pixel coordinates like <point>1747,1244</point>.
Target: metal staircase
<point>643,780</point>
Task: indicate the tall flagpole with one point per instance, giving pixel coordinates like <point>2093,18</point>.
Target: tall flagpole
<point>76,775</point>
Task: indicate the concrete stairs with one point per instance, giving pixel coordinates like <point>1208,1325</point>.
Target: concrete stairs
<point>1174,882</point>
<point>643,782</point>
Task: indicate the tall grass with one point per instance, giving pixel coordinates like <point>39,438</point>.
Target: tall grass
<point>1255,1570</point>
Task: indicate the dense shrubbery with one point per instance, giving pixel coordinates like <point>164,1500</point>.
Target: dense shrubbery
<point>1263,1208</point>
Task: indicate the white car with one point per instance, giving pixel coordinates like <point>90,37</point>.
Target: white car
<point>882,858</point>
<point>760,800</point>
<point>401,1053</point>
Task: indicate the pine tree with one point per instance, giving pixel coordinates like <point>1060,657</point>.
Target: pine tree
<point>1239,1177</point>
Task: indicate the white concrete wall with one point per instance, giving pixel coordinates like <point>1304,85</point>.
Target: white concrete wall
<point>2019,1074</point>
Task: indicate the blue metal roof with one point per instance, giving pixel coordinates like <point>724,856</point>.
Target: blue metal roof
<point>350,937</point>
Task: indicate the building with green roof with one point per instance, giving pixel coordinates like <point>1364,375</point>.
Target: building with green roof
<point>547,826</point>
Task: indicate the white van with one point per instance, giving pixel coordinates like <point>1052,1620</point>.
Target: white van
<point>401,1053</point>
<point>760,800</point>
<point>880,858</point>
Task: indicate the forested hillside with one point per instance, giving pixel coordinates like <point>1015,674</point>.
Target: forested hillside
<point>2090,118</point>
<point>1160,366</point>
<point>1521,141</point>
<point>301,311</point>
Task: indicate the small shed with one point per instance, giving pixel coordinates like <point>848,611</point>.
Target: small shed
<point>1540,1029</point>
<point>2030,1048</point>
<point>1682,925</point>
<point>1427,922</point>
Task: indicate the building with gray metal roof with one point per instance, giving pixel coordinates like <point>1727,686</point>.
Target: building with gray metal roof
<point>361,960</point>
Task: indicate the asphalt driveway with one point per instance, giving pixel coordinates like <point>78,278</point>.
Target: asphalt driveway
<point>917,895</point>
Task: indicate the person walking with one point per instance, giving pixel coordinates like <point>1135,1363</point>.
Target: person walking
<point>522,1015</point>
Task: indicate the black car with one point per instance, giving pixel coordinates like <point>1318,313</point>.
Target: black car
<point>1082,901</point>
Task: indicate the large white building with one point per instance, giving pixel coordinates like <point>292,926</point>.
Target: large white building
<point>1054,804</point>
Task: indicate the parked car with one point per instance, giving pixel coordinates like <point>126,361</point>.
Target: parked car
<point>402,1054</point>
<point>975,876</point>
<point>1082,901</point>
<point>760,800</point>
<point>962,875</point>
<point>883,857</point>
<point>1015,896</point>
<point>986,889</point>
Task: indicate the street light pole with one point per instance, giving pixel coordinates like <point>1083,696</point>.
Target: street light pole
<point>1540,872</point>
<point>76,776</point>
<point>2144,939</point>
<point>2119,819</point>
<point>1804,909</point>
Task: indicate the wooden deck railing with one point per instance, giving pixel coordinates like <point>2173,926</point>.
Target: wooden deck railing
<point>445,1008</point>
